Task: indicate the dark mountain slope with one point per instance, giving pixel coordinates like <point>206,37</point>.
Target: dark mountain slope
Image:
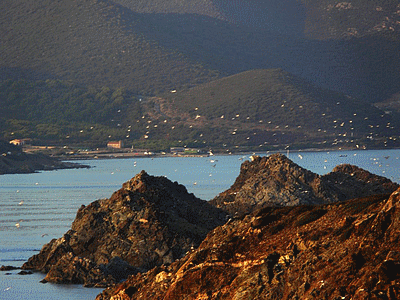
<point>274,101</point>
<point>330,19</point>
<point>273,15</point>
<point>253,108</point>
<point>365,67</point>
<point>148,48</point>
<point>60,112</point>
<point>286,17</point>
<point>156,46</point>
<point>200,7</point>
<point>391,104</point>
<point>90,42</point>
<point>259,94</point>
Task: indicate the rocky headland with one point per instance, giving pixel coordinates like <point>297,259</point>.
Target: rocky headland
<point>282,232</point>
<point>343,250</point>
<point>275,180</point>
<point>14,161</point>
<point>150,221</point>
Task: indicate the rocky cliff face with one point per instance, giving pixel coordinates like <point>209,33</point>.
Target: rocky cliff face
<point>344,250</point>
<point>148,222</point>
<point>282,244</point>
<point>277,181</point>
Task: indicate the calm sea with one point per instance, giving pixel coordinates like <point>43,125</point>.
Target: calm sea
<point>35,208</point>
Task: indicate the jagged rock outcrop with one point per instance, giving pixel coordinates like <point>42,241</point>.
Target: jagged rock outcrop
<point>277,181</point>
<point>148,222</point>
<point>343,250</point>
<point>151,222</point>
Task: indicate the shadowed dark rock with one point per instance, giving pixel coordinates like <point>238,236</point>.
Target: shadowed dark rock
<point>148,222</point>
<point>25,273</point>
<point>8,268</point>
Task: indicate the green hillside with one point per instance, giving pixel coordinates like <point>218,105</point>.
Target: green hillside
<point>153,46</point>
<point>87,71</point>
<point>200,7</point>
<point>251,110</point>
<point>281,107</point>
<point>329,19</point>
<point>60,112</point>
<point>271,95</point>
<point>88,42</point>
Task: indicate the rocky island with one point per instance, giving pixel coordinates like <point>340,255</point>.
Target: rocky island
<point>281,232</point>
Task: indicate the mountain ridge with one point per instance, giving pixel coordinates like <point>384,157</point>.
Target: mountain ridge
<point>111,44</point>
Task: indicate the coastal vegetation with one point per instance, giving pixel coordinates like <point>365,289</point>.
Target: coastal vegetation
<point>82,73</point>
<point>253,108</point>
<point>259,108</point>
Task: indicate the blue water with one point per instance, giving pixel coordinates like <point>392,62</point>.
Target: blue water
<point>45,204</point>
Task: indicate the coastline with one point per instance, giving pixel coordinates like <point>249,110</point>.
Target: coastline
<point>36,161</point>
<point>33,163</point>
<point>110,182</point>
<point>94,155</point>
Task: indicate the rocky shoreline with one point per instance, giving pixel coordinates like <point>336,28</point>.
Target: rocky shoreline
<point>279,232</point>
<point>14,161</point>
<point>35,164</point>
<point>344,250</point>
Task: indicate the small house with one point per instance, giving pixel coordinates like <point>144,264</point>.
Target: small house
<point>17,142</point>
<point>115,144</point>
